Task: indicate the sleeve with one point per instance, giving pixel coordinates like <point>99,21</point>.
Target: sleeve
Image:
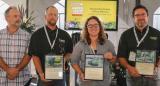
<point>76,54</point>
<point>159,46</point>
<point>112,48</point>
<point>32,50</point>
<point>158,51</point>
<point>69,44</point>
<point>122,47</point>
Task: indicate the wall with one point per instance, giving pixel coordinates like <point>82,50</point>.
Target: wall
<point>15,2</point>
<point>152,6</point>
<point>124,20</point>
<point>39,6</point>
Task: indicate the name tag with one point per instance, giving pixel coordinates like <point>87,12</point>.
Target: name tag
<point>132,56</point>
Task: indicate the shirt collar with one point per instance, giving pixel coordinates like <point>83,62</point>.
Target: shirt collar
<point>48,29</point>
<point>143,31</point>
<point>14,32</point>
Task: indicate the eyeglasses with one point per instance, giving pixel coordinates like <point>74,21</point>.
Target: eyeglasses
<point>138,15</point>
<point>93,26</point>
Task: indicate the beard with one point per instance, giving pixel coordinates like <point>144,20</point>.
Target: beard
<point>52,23</point>
<point>141,24</point>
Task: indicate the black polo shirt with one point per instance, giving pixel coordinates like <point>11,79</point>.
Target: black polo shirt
<point>39,45</point>
<point>128,42</point>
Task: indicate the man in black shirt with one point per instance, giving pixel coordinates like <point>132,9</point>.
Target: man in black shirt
<point>49,40</point>
<point>141,37</point>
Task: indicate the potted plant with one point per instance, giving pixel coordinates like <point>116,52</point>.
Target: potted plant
<point>26,22</point>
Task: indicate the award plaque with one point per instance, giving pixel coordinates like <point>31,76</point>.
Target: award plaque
<point>93,67</point>
<point>145,62</point>
<point>53,67</point>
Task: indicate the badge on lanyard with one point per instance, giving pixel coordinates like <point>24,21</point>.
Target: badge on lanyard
<point>53,63</point>
<point>132,56</point>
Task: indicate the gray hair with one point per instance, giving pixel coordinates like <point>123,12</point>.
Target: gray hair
<point>8,10</point>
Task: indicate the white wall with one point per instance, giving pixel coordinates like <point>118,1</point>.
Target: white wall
<point>115,35</point>
<point>152,6</point>
<point>15,2</point>
<point>3,22</point>
<point>39,6</point>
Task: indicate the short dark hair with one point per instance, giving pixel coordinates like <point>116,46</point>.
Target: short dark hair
<point>139,7</point>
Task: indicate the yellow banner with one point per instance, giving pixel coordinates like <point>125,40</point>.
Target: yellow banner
<point>79,10</point>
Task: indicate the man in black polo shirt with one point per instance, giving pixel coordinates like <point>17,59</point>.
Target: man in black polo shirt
<point>141,37</point>
<point>49,40</point>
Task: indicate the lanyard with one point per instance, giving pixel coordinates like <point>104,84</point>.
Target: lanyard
<point>92,50</point>
<point>139,42</point>
<point>51,45</point>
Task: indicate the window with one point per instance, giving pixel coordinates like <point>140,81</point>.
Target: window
<point>60,5</point>
<point>156,19</point>
<point>3,7</point>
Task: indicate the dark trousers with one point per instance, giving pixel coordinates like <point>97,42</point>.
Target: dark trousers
<point>52,83</point>
<point>121,81</point>
<point>141,81</point>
